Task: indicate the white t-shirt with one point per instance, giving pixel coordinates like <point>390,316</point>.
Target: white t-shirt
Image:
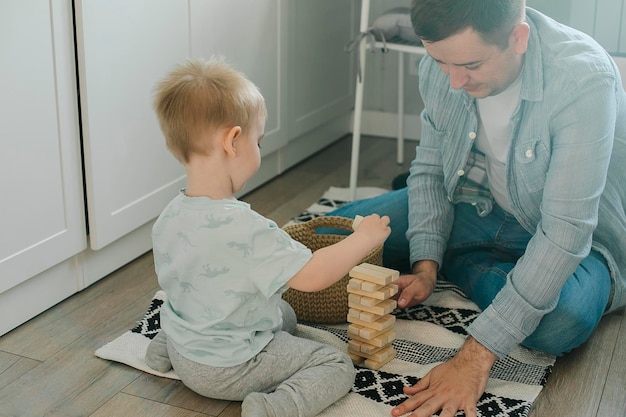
<point>494,137</point>
<point>223,267</point>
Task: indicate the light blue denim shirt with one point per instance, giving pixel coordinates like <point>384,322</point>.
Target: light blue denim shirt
<point>566,174</point>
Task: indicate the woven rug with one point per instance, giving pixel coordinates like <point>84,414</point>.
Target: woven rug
<point>426,335</point>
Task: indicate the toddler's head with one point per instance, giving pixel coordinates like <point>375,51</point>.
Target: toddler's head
<point>199,96</point>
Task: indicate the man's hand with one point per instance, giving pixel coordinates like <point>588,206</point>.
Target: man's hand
<point>451,386</point>
<point>418,286</point>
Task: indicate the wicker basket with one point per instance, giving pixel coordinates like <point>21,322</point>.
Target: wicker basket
<point>328,306</point>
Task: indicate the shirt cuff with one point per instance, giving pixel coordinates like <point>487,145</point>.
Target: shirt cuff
<point>506,322</point>
<point>423,247</point>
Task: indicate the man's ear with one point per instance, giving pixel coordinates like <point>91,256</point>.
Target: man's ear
<point>229,140</point>
<point>520,35</point>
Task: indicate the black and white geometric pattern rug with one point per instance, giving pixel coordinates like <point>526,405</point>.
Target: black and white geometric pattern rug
<point>426,335</point>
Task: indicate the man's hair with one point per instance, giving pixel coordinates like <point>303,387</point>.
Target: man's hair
<point>435,20</point>
<point>200,95</point>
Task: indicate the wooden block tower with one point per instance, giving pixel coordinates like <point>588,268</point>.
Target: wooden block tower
<point>371,326</point>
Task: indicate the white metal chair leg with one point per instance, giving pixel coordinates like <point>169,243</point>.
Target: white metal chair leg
<point>400,150</point>
<point>358,101</point>
<point>356,137</point>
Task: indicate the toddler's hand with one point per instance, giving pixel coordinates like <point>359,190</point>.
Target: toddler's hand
<point>373,226</point>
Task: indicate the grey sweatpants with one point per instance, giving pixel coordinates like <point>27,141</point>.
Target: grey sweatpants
<point>291,376</point>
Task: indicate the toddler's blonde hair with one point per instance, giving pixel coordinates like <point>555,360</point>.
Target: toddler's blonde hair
<point>200,95</point>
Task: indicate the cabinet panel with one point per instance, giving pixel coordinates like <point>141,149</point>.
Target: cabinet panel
<point>320,71</point>
<point>124,48</point>
<point>622,38</point>
<point>602,19</point>
<point>42,219</point>
<point>608,23</point>
<point>249,36</point>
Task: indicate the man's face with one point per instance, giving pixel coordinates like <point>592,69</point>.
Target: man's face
<point>481,69</point>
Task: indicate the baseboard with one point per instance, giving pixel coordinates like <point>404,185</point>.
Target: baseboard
<point>28,299</point>
<point>385,124</point>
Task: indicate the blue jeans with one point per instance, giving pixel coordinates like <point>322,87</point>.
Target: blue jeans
<point>480,253</point>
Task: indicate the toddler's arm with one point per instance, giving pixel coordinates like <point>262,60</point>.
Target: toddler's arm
<point>328,265</point>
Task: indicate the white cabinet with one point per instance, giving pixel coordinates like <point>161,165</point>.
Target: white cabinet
<point>107,77</point>
<point>249,35</point>
<point>602,19</point>
<point>321,85</point>
<point>42,211</point>
<point>124,47</point>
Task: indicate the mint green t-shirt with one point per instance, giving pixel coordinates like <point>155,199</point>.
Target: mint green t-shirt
<point>223,267</point>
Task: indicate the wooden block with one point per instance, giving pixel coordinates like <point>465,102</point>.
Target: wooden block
<point>394,274</point>
<point>368,302</point>
<point>384,323</point>
<point>354,346</point>
<point>353,312</point>
<point>382,355</point>
<point>359,348</point>
<point>363,315</point>
<point>375,365</point>
<point>358,299</point>
<point>370,275</point>
<point>392,289</point>
<point>353,330</point>
<point>353,298</point>
<point>370,286</point>
<point>365,333</point>
<point>357,220</point>
<point>356,359</point>
<point>359,284</point>
<point>355,283</point>
<point>381,294</point>
<point>378,341</point>
<point>382,308</point>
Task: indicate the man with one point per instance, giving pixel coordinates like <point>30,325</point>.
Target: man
<point>516,192</point>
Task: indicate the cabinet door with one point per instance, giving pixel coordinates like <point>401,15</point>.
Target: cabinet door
<point>249,35</point>
<point>602,19</point>
<point>124,48</point>
<point>320,71</point>
<point>42,216</point>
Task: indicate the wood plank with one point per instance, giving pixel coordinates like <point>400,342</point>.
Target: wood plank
<point>128,405</point>
<point>613,401</point>
<point>367,274</point>
<point>12,367</point>
<point>55,329</point>
<point>74,381</point>
<point>382,293</point>
<point>174,393</point>
<point>384,323</point>
<point>233,410</point>
<point>575,386</point>
<point>382,308</point>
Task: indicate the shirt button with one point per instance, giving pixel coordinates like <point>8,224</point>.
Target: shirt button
<point>529,153</point>
<point>460,173</point>
<point>472,135</point>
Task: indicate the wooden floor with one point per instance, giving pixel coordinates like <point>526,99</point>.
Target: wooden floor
<point>48,367</point>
